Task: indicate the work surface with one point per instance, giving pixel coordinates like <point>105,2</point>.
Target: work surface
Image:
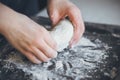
<point>95,57</point>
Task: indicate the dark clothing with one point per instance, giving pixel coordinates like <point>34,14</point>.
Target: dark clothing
<point>27,7</point>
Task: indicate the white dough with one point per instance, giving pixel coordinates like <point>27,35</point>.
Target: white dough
<point>62,34</point>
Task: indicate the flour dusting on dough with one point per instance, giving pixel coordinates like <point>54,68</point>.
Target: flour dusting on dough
<point>62,34</point>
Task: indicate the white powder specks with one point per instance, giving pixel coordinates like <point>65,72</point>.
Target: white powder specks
<point>59,65</point>
<point>76,62</point>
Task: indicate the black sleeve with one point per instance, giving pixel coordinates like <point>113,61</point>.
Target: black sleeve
<point>27,7</point>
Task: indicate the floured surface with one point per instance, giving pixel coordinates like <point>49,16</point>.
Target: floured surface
<point>75,63</point>
<point>94,58</point>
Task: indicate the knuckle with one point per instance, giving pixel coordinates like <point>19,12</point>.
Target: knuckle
<point>37,42</point>
<point>53,14</point>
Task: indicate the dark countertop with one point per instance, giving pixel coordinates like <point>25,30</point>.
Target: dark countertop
<point>99,34</point>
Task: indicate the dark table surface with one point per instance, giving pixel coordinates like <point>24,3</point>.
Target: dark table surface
<point>107,69</point>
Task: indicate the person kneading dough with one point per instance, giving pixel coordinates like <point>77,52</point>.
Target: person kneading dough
<point>33,40</point>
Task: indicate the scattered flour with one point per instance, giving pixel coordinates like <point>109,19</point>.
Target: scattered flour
<point>75,63</point>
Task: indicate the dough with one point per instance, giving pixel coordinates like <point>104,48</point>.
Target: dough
<point>62,34</point>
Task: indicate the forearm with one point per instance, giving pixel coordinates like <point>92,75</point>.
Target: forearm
<point>6,16</point>
<point>4,11</point>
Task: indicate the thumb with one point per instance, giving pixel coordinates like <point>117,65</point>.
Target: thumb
<point>55,17</point>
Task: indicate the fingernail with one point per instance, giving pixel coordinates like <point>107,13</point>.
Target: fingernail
<point>38,62</point>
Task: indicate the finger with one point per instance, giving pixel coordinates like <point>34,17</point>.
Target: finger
<point>47,50</point>
<point>31,57</point>
<point>40,55</point>
<point>34,52</point>
<point>51,42</point>
<point>78,25</point>
<point>54,17</point>
<point>28,54</point>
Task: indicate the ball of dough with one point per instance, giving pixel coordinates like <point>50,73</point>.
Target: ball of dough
<point>62,34</point>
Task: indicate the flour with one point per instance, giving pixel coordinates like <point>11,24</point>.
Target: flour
<point>62,34</point>
<point>59,65</point>
<point>74,63</point>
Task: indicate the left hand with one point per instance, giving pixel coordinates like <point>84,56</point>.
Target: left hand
<point>59,9</point>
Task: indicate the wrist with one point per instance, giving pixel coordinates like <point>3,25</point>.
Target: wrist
<point>7,16</point>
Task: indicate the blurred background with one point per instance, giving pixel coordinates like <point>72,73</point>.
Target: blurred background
<point>97,11</point>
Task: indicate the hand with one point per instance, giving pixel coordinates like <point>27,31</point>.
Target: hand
<point>59,9</point>
<point>27,36</point>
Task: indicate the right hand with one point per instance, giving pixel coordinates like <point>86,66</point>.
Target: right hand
<point>28,37</point>
<point>59,9</point>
